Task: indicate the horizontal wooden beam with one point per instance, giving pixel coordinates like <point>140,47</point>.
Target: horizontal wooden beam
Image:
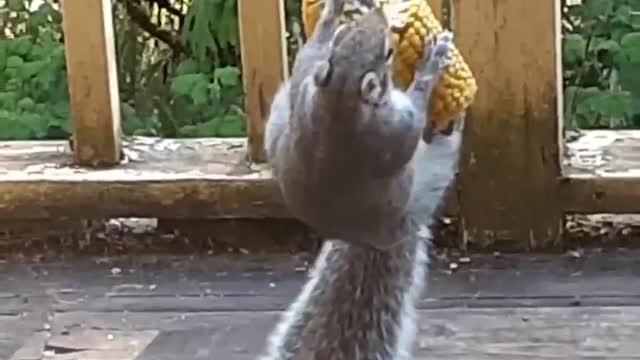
<point>199,178</point>
<point>202,178</point>
<point>161,178</point>
<point>194,199</point>
<point>590,195</point>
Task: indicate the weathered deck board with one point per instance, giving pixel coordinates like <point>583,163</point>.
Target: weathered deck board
<point>195,179</point>
<point>602,169</point>
<point>207,178</point>
<point>269,282</point>
<point>147,158</point>
<point>604,153</point>
<point>506,307</point>
<point>514,333</point>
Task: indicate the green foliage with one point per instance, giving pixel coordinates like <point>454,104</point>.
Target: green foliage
<point>33,85</point>
<point>192,88</point>
<point>191,92</point>
<point>601,58</point>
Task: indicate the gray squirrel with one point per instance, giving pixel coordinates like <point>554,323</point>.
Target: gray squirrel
<point>347,150</point>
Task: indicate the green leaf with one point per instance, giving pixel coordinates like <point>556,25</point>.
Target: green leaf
<point>597,8</point>
<point>196,32</point>
<point>231,125</point>
<point>8,99</point>
<point>183,84</point>
<point>608,45</point>
<point>26,103</point>
<point>16,5</point>
<point>14,62</point>
<point>630,81</point>
<point>615,104</point>
<point>12,128</point>
<point>131,122</point>
<point>228,76</point>
<point>188,66</point>
<point>634,4</point>
<point>630,46</point>
<point>36,20</point>
<point>597,108</point>
<point>227,31</point>
<point>33,68</point>
<point>200,93</point>
<point>21,46</point>
<point>188,131</point>
<point>3,53</point>
<point>574,48</point>
<point>569,104</point>
<point>37,123</point>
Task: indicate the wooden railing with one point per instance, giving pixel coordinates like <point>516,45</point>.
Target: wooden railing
<point>512,192</point>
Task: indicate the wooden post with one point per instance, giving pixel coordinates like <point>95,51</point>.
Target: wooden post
<point>437,6</point>
<point>264,64</point>
<point>511,167</point>
<point>93,81</point>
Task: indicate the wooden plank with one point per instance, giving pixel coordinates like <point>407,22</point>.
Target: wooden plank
<point>533,333</point>
<point>602,173</point>
<point>511,164</point>
<point>199,178</point>
<point>157,283</point>
<point>264,64</point>
<point>436,7</point>
<point>194,343</point>
<point>170,178</point>
<point>92,344</point>
<point>452,333</point>
<point>196,198</point>
<point>81,324</point>
<point>603,154</point>
<point>611,195</point>
<point>93,81</point>
<point>32,348</point>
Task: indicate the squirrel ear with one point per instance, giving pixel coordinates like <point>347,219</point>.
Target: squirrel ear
<point>322,74</point>
<point>371,88</point>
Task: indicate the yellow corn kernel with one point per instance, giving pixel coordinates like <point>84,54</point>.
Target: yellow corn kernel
<point>457,87</point>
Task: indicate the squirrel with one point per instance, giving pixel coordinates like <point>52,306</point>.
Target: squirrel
<point>347,150</point>
<point>340,137</point>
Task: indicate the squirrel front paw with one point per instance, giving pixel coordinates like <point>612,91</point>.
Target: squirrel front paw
<point>437,54</point>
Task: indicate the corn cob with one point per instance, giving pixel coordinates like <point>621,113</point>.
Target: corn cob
<point>457,87</point>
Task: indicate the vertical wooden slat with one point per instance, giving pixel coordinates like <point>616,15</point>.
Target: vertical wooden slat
<point>93,81</point>
<point>264,63</point>
<point>510,170</point>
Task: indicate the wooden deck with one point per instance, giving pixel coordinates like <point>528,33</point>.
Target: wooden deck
<point>155,308</point>
<point>192,178</point>
<point>205,179</point>
<point>604,153</point>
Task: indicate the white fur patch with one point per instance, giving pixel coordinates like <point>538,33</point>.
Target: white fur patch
<point>406,330</point>
<point>278,337</point>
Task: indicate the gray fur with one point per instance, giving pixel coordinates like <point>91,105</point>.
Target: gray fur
<point>359,302</point>
<point>354,155</point>
<point>360,173</point>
